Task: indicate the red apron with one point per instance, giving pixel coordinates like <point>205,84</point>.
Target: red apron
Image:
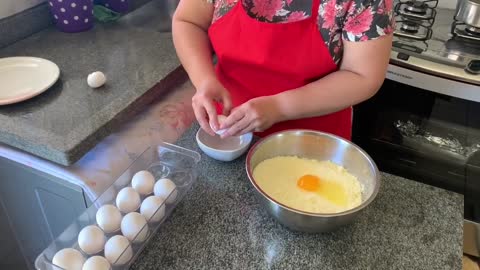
<point>260,59</point>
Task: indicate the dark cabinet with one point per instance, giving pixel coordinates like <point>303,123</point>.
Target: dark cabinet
<point>35,209</point>
<point>10,253</point>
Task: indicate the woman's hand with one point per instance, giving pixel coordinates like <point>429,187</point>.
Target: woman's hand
<point>190,25</point>
<point>255,115</point>
<point>203,102</point>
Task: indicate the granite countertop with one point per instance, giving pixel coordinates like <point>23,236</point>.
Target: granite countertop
<point>137,55</point>
<point>220,225</point>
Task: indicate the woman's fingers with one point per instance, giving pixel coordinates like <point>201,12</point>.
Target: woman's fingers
<point>204,104</point>
<point>227,103</point>
<point>201,116</point>
<point>233,118</point>
<point>239,125</point>
<point>249,128</point>
<point>212,113</point>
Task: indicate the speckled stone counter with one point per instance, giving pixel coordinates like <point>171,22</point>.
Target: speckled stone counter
<point>137,55</point>
<point>220,225</point>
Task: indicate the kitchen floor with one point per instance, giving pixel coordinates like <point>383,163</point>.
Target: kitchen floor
<point>470,263</point>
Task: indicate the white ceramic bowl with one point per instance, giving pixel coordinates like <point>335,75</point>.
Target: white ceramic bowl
<point>226,149</point>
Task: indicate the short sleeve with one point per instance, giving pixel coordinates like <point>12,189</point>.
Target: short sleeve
<point>221,7</point>
<point>368,19</point>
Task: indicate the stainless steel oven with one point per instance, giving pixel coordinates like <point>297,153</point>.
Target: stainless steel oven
<point>424,123</point>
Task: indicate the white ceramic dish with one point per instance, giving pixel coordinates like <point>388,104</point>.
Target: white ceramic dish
<point>25,77</point>
<point>223,149</point>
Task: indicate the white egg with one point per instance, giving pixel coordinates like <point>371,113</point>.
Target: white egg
<point>221,118</point>
<point>153,208</point>
<point>108,218</point>
<point>96,263</point>
<point>91,239</point>
<point>118,250</point>
<point>167,189</point>
<point>134,227</point>
<point>96,79</point>
<point>69,258</point>
<point>128,200</point>
<point>143,182</point>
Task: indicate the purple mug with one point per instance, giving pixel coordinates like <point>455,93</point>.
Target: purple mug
<point>120,6</point>
<point>72,15</point>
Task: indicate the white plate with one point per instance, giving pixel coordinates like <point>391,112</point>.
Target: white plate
<point>22,78</point>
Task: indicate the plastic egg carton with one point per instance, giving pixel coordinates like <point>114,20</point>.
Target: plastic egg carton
<point>163,161</point>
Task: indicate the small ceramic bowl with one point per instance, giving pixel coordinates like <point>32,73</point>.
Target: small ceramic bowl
<point>226,149</point>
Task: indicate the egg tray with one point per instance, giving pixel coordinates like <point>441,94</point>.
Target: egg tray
<point>163,161</point>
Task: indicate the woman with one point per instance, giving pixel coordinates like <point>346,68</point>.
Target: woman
<point>282,64</point>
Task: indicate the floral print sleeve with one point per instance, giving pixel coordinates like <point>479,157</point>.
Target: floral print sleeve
<point>338,20</point>
<point>221,7</point>
<point>354,20</point>
<point>368,19</point>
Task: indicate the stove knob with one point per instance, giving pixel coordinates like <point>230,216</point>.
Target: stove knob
<point>403,56</point>
<point>473,67</point>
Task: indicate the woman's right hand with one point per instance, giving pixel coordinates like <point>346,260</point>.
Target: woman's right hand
<point>203,103</point>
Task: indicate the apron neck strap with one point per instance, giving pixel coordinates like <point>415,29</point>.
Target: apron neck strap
<point>315,6</point>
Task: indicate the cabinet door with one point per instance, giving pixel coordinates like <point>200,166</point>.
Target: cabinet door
<point>39,206</point>
<point>10,255</point>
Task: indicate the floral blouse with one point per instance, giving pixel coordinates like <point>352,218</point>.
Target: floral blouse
<point>352,20</point>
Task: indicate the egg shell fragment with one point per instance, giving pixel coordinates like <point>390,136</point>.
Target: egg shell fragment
<point>221,118</point>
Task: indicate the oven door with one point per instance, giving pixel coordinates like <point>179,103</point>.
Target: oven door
<point>419,134</point>
<point>471,226</point>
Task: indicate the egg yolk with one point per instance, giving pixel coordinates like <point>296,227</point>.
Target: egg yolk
<point>330,190</point>
<point>309,182</point>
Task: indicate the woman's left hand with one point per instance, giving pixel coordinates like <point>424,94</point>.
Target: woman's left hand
<point>255,115</point>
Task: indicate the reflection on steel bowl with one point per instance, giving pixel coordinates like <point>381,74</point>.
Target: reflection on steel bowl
<point>319,146</point>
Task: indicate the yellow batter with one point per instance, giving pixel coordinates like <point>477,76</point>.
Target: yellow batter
<point>309,185</point>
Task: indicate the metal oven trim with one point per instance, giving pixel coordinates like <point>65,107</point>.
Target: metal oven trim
<point>433,83</point>
<point>439,69</point>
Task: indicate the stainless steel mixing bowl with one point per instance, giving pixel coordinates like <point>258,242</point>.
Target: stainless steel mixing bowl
<point>320,146</point>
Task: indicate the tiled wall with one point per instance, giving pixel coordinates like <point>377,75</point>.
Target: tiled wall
<point>11,7</point>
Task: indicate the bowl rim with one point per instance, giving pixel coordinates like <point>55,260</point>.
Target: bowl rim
<point>248,136</point>
<point>364,204</point>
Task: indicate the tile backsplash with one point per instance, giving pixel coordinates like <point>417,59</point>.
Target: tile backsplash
<point>11,7</point>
